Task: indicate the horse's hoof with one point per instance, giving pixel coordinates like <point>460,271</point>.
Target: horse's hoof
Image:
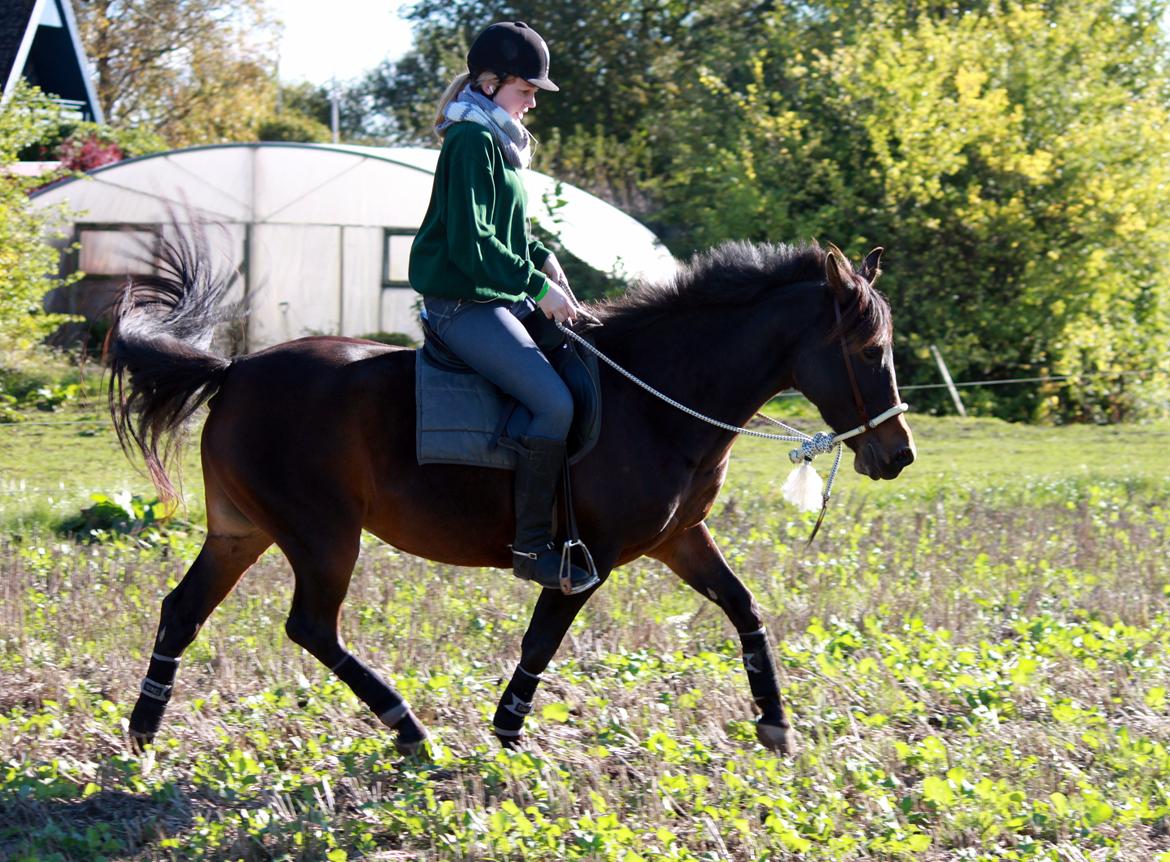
<point>512,743</point>
<point>139,740</point>
<point>412,747</point>
<point>777,737</point>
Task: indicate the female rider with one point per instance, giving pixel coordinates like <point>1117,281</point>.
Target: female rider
<point>479,271</point>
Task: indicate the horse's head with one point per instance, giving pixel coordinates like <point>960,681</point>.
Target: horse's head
<point>846,366</point>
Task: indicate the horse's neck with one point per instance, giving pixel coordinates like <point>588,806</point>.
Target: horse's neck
<point>725,362</point>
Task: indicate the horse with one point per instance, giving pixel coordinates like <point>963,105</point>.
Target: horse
<point>309,442</point>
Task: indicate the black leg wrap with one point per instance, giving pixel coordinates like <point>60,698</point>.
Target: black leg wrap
<point>153,696</point>
<point>372,690</point>
<point>761,673</point>
<point>147,716</point>
<point>515,705</point>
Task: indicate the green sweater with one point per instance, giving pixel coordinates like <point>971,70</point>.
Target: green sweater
<point>474,241</point>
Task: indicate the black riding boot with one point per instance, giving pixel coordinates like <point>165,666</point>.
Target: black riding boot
<point>534,556</point>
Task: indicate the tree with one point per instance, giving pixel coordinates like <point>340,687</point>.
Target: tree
<point>28,264</point>
<point>1012,156</point>
<point>607,56</point>
<point>195,71</point>
<point>291,126</point>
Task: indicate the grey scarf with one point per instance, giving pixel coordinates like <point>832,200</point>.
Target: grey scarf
<point>513,138</point>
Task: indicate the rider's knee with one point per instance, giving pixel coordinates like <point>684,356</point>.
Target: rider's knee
<point>557,412</point>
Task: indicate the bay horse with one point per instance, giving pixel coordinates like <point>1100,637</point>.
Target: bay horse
<point>309,442</point>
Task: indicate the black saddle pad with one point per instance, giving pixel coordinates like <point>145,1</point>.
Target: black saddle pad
<point>461,418</point>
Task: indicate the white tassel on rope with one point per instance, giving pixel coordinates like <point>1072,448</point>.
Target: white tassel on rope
<point>804,488</point>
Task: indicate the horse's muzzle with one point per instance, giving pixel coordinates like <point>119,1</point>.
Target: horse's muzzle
<point>885,456</point>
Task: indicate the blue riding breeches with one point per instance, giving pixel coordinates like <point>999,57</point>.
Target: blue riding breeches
<point>490,338</point>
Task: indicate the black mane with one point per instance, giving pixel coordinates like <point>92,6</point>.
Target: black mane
<point>737,273</point>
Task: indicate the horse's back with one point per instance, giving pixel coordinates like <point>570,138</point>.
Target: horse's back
<point>295,418</point>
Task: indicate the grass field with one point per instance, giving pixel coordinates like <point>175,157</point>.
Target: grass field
<point>976,656</point>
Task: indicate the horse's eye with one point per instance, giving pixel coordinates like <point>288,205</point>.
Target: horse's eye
<point>872,354</point>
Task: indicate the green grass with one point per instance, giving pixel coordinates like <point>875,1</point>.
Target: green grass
<point>976,656</point>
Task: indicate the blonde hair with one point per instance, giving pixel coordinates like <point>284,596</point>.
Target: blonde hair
<point>483,81</point>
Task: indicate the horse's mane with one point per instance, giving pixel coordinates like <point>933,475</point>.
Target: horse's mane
<point>739,273</point>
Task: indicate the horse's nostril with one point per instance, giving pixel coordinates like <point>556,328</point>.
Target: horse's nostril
<point>905,457</point>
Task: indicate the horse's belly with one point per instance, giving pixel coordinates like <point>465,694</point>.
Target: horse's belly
<point>457,515</point>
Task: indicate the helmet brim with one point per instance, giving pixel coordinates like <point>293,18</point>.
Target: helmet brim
<point>544,83</point>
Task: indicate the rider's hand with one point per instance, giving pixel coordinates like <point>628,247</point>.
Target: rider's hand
<point>556,305</point>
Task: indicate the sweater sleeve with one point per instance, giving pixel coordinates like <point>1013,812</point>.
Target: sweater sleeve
<point>472,242</point>
<point>539,253</point>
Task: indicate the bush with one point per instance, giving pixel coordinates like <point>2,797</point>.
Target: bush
<point>28,264</point>
<point>64,139</point>
<point>293,127</point>
<point>121,515</point>
<point>400,339</point>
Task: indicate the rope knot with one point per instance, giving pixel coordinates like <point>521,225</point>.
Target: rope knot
<point>820,443</point>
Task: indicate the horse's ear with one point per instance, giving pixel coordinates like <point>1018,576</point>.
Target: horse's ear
<point>871,268</point>
<point>835,268</point>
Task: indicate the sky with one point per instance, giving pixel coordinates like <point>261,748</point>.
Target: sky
<point>342,38</point>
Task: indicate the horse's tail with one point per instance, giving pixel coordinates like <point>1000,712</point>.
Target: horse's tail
<point>160,368</point>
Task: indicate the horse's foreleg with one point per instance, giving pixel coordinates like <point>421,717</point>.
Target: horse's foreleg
<point>221,562</point>
<point>551,618</point>
<point>694,557</point>
<point>322,579</point>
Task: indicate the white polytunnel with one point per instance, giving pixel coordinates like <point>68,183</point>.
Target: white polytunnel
<point>319,233</point>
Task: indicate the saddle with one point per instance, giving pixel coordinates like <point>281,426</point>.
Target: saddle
<point>462,418</point>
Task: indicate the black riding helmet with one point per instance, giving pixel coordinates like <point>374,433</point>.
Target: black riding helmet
<point>511,49</point>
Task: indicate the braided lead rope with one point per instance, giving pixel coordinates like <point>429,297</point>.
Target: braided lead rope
<point>832,475</point>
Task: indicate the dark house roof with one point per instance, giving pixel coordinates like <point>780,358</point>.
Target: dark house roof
<point>39,42</point>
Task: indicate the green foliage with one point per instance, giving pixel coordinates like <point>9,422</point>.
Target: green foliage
<point>122,514</point>
<point>307,100</point>
<point>28,264</point>
<point>131,141</point>
<point>303,113</point>
<point>1009,154</point>
<point>46,398</point>
<point>292,127</point>
<point>401,339</point>
<point>192,71</point>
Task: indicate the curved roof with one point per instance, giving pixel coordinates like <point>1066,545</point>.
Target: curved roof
<point>331,184</point>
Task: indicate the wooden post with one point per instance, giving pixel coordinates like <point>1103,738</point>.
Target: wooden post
<point>946,375</point>
<point>334,110</point>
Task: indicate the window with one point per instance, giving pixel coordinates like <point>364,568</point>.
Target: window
<point>117,251</point>
<point>396,257</point>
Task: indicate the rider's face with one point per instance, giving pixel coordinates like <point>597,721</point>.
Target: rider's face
<point>516,96</point>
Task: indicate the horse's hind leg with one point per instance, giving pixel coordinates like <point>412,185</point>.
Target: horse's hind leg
<point>323,571</point>
<point>221,562</point>
<point>694,557</point>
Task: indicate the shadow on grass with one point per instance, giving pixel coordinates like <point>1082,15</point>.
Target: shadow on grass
<point>108,823</point>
